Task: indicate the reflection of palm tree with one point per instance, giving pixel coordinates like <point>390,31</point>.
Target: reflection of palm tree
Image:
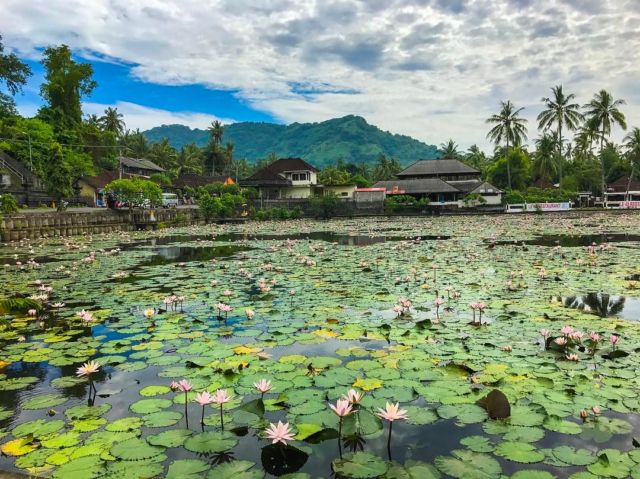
<point>601,304</point>
<point>354,442</point>
<point>220,457</point>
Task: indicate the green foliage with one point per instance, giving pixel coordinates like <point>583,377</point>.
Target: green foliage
<point>350,138</point>
<point>161,178</point>
<point>8,204</point>
<point>332,176</point>
<point>58,174</point>
<point>537,195</point>
<point>397,203</point>
<point>323,206</point>
<point>225,206</point>
<point>13,71</point>
<point>474,199</point>
<point>66,82</point>
<point>278,214</point>
<point>134,191</point>
<point>520,165</point>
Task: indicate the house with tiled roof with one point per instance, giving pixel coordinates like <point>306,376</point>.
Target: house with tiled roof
<point>623,193</point>
<point>285,178</point>
<point>444,182</point>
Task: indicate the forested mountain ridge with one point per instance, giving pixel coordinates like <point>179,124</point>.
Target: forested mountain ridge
<point>349,138</point>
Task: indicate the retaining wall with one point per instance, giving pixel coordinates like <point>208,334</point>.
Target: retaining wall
<point>35,225</point>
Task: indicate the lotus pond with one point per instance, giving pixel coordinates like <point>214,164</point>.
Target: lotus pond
<point>510,344</point>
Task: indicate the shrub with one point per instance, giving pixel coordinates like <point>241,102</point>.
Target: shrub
<point>134,191</point>
<point>8,204</point>
<point>323,206</point>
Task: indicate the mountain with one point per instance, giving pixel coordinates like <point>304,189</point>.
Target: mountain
<point>350,138</point>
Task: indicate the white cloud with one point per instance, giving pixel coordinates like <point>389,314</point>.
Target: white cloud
<point>144,118</point>
<point>433,69</point>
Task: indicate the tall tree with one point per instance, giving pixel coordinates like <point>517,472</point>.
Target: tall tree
<point>475,157</point>
<point>449,149</point>
<point>632,149</point>
<point>546,160</point>
<point>14,74</point>
<point>604,112</point>
<point>190,160</point>
<point>65,83</point>
<point>385,168</point>
<point>112,121</point>
<point>509,127</point>
<point>561,112</point>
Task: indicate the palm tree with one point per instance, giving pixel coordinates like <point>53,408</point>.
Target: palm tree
<point>510,127</point>
<point>449,149</point>
<point>546,160</point>
<point>190,160</point>
<point>216,130</point>
<point>603,111</point>
<point>475,157</point>
<point>561,112</point>
<point>632,148</point>
<point>112,121</point>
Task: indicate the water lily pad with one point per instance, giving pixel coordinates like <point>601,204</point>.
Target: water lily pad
<point>210,442</point>
<point>135,450</point>
<point>44,401</point>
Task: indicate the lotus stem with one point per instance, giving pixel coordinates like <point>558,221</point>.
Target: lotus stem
<point>389,439</point>
<point>186,410</point>
<point>221,418</point>
<point>340,437</point>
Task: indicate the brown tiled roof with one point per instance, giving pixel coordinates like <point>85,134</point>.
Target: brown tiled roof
<point>101,180</point>
<point>620,185</point>
<point>272,174</point>
<point>437,167</point>
<point>141,163</point>
<point>417,186</point>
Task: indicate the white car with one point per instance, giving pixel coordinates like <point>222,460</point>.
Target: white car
<point>169,200</point>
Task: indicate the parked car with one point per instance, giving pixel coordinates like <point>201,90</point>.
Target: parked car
<point>169,200</point>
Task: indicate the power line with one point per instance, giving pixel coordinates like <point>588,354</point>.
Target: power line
<point>16,140</point>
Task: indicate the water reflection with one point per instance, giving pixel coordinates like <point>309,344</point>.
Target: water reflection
<point>604,305</point>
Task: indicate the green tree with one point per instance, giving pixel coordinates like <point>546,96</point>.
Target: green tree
<point>14,74</point>
<point>18,131</point>
<point>135,144</point>
<point>164,155</point>
<point>561,112</point>
<point>58,174</point>
<point>476,158</point>
<point>112,121</point>
<point>65,83</point>
<point>135,191</point>
<point>546,158</point>
<point>510,128</point>
<point>332,176</point>
<point>604,112</point>
<point>514,166</point>
<point>385,168</point>
<point>632,150</point>
<point>190,160</point>
<point>449,150</point>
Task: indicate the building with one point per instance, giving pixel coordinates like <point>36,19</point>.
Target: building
<point>623,193</point>
<point>189,180</point>
<point>18,180</point>
<point>339,191</point>
<point>286,178</point>
<point>91,188</point>
<point>443,182</point>
<point>138,167</point>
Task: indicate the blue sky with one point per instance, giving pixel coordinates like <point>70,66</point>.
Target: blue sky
<point>116,84</point>
<point>431,69</point>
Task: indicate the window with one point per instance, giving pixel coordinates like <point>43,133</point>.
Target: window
<point>300,176</point>
<point>344,193</point>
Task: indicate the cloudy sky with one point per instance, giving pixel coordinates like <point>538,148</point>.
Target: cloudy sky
<point>432,69</point>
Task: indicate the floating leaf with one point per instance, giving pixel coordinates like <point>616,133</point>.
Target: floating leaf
<point>360,465</point>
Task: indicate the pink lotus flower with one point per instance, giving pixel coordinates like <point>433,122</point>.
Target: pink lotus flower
<point>392,412</point>
<point>227,292</point>
<point>438,302</point>
<point>174,386</point>
<point>545,333</point>
<point>262,356</point>
<point>32,312</point>
<point>614,339</point>
<point>87,369</point>
<point>292,292</point>
<point>481,307</point>
<point>576,336</point>
<point>595,337</point>
<point>250,313</point>
<point>572,357</point>
<point>279,433</point>
<point>203,398</point>
<point>566,330</point>
<point>508,348</point>
<point>596,410</point>
<point>353,396</point>
<point>560,341</point>
<point>263,386</point>
<point>221,397</point>
<point>184,386</point>
<point>342,408</point>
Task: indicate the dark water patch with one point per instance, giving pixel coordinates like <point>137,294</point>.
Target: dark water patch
<point>186,254</point>
<point>574,241</point>
<point>604,305</point>
<point>327,236</point>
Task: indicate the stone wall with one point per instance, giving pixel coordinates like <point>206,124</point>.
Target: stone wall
<point>44,224</point>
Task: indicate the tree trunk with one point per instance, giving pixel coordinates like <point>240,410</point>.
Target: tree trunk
<point>633,169</point>
<point>560,158</point>
<point>604,186</point>
<point>508,165</point>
